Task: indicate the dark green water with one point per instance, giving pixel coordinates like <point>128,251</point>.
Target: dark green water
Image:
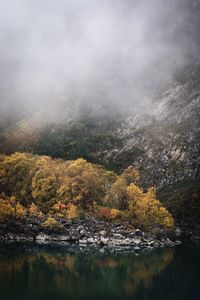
<point>44,272</point>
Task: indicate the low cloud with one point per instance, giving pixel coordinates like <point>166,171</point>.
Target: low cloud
<point>95,53</point>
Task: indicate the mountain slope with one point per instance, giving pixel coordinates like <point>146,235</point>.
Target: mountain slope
<point>163,145</point>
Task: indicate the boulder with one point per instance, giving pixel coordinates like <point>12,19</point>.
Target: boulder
<point>178,232</point>
<point>138,232</point>
<point>58,237</point>
<point>83,241</point>
<point>74,235</point>
<point>104,241</point>
<point>91,240</point>
<point>195,237</point>
<point>117,236</point>
<point>137,241</point>
<point>84,233</point>
<point>42,237</point>
<point>102,232</point>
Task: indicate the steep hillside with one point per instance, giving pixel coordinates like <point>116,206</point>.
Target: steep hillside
<point>164,145</point>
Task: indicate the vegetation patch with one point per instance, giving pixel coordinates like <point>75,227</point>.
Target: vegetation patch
<point>49,189</point>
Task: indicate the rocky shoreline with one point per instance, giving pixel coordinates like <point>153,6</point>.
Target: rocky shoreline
<point>90,232</point>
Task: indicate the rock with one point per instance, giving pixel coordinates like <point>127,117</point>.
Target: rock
<point>156,245</point>
<point>195,237</point>
<point>106,234</point>
<point>57,237</point>
<point>35,228</point>
<point>178,232</point>
<point>64,238</point>
<point>74,235</point>
<point>104,241</point>
<point>23,238</point>
<point>178,243</point>
<point>128,241</point>
<point>80,228</point>
<point>90,240</point>
<point>169,243</point>
<point>150,243</point>
<point>83,241</point>
<point>117,236</point>
<point>84,233</point>
<point>102,232</point>
<point>138,232</point>
<point>136,241</point>
<point>87,241</point>
<point>42,237</point>
<point>102,250</point>
<point>137,248</point>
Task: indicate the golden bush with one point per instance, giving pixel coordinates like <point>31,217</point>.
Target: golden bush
<point>115,213</point>
<point>34,211</point>
<point>51,223</point>
<point>72,211</point>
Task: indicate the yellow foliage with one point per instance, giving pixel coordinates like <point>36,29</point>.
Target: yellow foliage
<point>35,211</point>
<point>10,208</point>
<point>118,194</point>
<point>17,170</point>
<point>115,213</point>
<point>6,210</point>
<point>72,211</point>
<point>20,211</point>
<point>51,223</point>
<point>146,209</point>
<point>77,167</point>
<point>65,188</point>
<point>131,175</point>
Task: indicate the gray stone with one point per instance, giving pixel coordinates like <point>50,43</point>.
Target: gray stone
<point>90,240</point>
<point>178,232</point>
<point>74,235</point>
<point>83,241</point>
<point>137,248</point>
<point>58,237</point>
<point>136,241</point>
<point>84,233</point>
<point>117,236</point>
<point>102,232</point>
<point>138,232</point>
<point>104,241</point>
<point>195,237</point>
<point>42,237</point>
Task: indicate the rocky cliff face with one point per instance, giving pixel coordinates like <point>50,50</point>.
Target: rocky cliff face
<point>164,146</point>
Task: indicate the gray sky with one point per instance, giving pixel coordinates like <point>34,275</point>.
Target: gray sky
<point>92,52</point>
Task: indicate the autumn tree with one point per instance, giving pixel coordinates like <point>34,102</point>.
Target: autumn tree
<point>11,208</point>
<point>16,173</point>
<point>45,182</point>
<point>131,175</point>
<point>40,184</point>
<point>146,209</point>
<point>85,183</point>
<point>117,196</point>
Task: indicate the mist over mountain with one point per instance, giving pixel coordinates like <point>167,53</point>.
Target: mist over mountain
<point>100,55</point>
<point>114,82</point>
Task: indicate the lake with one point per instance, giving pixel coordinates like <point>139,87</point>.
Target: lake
<point>39,272</point>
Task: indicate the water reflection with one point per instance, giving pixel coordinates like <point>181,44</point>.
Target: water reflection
<point>43,273</point>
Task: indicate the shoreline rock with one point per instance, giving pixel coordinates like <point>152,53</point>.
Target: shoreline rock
<point>92,232</point>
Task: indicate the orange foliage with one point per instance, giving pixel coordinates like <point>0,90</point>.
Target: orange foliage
<point>104,213</point>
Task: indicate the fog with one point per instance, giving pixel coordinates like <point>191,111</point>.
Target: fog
<point>106,53</point>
